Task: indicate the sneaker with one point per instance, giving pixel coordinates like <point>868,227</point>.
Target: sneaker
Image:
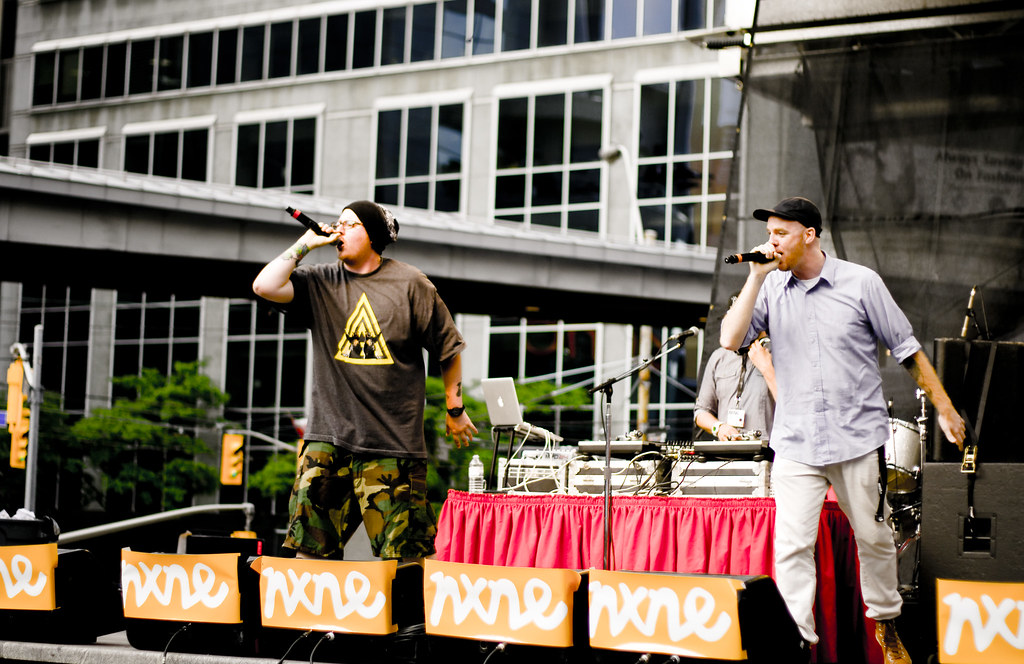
<point>892,648</point>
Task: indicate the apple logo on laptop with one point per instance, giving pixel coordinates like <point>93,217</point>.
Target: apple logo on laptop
<point>501,402</point>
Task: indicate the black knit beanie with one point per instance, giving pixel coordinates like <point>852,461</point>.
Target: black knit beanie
<point>381,226</point>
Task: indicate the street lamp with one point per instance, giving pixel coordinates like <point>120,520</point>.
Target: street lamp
<point>610,154</point>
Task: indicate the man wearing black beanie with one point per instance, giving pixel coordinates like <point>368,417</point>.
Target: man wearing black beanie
<point>364,458</point>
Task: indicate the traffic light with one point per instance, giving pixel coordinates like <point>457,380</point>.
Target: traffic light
<point>232,459</point>
<point>17,414</point>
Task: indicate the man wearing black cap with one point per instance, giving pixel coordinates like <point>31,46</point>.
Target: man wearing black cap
<point>826,317</point>
<point>364,455</point>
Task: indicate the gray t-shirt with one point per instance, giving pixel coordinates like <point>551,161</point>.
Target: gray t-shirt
<point>721,384</point>
<point>368,333</point>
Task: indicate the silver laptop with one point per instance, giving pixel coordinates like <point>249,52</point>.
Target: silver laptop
<point>504,411</point>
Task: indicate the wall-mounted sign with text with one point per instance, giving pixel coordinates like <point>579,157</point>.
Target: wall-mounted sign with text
<point>326,595</point>
<point>980,622</point>
<point>26,577</point>
<point>686,615</point>
<point>505,604</point>
<point>189,588</point>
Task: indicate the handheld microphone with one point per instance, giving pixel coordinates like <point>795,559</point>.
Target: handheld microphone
<point>682,335</point>
<point>970,312</point>
<point>306,221</point>
<point>749,257</point>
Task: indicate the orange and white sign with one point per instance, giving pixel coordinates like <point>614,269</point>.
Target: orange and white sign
<point>26,577</point>
<point>692,616</point>
<point>509,604</point>
<point>326,595</point>
<point>980,621</point>
<point>192,588</point>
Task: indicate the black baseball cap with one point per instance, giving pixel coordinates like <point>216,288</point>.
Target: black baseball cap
<point>794,209</point>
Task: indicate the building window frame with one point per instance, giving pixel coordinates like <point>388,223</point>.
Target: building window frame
<point>396,184</point>
<point>181,130</point>
<point>578,180</point>
<point>256,130</point>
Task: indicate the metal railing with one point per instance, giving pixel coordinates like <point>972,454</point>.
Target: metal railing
<point>119,526</point>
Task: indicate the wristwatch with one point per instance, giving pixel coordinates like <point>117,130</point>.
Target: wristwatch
<point>714,428</point>
<point>455,412</point>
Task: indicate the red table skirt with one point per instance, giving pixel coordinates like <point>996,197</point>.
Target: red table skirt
<point>661,534</point>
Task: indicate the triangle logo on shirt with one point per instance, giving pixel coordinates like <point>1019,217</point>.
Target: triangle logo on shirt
<point>363,342</point>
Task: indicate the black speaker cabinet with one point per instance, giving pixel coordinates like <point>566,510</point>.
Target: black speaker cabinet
<point>989,547</point>
<point>962,366</point>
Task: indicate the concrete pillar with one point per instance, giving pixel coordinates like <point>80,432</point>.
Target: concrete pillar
<point>100,351</point>
<point>10,316</point>
<point>614,358</point>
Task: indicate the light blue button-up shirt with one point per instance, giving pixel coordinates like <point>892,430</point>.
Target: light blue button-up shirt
<point>825,335</point>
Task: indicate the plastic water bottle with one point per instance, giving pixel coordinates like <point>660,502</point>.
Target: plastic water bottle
<point>476,475</point>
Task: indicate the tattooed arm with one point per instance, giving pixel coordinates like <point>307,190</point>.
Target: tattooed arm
<point>274,280</point>
<point>459,426</point>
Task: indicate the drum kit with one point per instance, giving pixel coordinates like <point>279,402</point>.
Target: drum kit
<point>904,451</point>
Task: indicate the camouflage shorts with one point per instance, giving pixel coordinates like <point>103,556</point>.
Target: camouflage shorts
<point>337,490</point>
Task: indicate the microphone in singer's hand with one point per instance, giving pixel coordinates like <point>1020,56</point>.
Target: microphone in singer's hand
<point>306,221</point>
<point>750,257</point>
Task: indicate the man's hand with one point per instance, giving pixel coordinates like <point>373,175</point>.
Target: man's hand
<point>953,426</point>
<point>460,428</point>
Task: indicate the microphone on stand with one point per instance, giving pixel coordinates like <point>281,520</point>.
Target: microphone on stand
<point>969,314</point>
<point>749,257</point>
<point>682,335</point>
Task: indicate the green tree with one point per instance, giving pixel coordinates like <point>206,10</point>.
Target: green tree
<point>147,446</point>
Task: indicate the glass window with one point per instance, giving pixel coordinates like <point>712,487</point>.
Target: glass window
<point>513,120</point>
<point>92,73</point>
<point>308,52</point>
<point>165,154</point>
<point>336,43</point>
<point>89,153</point>
<point>589,21</point>
<point>253,38</point>
<point>43,78</point>
<point>417,160</point>
<point>170,69</point>
<point>683,188</point>
<point>453,29</point>
<point>419,157</point>
<point>364,39</point>
<point>552,23</point>
<point>200,60</point>
<point>64,153</point>
<point>483,26</point>
<point>657,17</point>
<point>623,19</point>
<point>227,56</point>
<point>389,143</point>
<point>277,154</point>
<point>515,24</point>
<point>392,39</point>
<point>550,193</point>
<point>194,153</point>
<point>424,28</point>
<point>141,69</point>
<point>585,136</point>
<point>692,14</point>
<point>303,155</point>
<point>248,157</point>
<point>67,76</point>
<point>136,154</point>
<point>117,55</point>
<point>449,138</point>
<point>280,50</point>
<point>41,152</point>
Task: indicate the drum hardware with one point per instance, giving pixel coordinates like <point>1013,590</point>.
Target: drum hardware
<point>903,456</point>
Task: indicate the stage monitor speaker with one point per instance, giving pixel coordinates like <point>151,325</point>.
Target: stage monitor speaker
<point>989,547</point>
<point>962,367</point>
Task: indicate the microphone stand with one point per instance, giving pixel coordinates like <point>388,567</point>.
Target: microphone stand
<point>605,388</point>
